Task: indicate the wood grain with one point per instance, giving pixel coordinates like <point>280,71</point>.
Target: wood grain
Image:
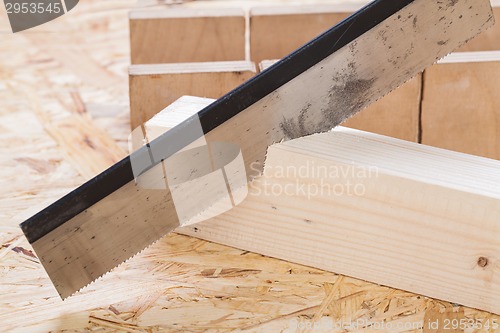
<point>187,35</point>
<point>461,105</point>
<point>277,31</point>
<point>445,319</point>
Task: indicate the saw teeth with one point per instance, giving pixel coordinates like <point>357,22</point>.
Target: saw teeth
<point>82,289</point>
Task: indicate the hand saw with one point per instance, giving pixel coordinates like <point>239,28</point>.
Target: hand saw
<point>111,218</point>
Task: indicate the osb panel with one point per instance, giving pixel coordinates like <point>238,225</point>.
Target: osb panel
<point>74,79</point>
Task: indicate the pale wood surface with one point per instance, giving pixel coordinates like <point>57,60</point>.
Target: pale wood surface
<point>276,28</point>
<point>277,31</point>
<point>154,87</point>
<point>468,57</point>
<point>184,35</point>
<point>461,107</point>
<point>180,284</point>
<point>407,207</point>
<point>275,36</point>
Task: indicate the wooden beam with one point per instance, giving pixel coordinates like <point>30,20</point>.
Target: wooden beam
<point>384,210</point>
<point>154,87</point>
<point>169,35</point>
<point>461,104</point>
<point>277,31</point>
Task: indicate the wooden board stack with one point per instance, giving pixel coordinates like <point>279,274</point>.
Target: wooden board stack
<point>173,51</point>
<point>276,31</point>
<point>414,112</point>
<point>155,86</point>
<point>461,104</point>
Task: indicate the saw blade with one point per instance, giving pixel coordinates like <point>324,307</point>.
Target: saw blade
<point>113,217</point>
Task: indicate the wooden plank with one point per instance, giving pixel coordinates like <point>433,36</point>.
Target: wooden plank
<point>187,35</point>
<point>490,39</point>
<point>277,31</point>
<point>396,114</point>
<point>375,208</point>
<point>154,87</point>
<point>461,104</point>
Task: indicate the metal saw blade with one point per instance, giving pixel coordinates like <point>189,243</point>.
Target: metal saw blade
<point>111,217</point>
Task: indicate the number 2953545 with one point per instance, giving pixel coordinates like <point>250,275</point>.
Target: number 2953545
<point>33,7</point>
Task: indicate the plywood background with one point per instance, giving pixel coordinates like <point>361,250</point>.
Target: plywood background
<point>64,117</point>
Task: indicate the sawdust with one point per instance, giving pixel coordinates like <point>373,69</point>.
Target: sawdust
<point>348,94</point>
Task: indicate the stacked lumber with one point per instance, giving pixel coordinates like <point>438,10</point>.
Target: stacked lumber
<point>415,112</point>
<point>155,86</point>
<point>461,104</point>
<point>461,269</point>
<point>276,31</point>
<point>175,50</point>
